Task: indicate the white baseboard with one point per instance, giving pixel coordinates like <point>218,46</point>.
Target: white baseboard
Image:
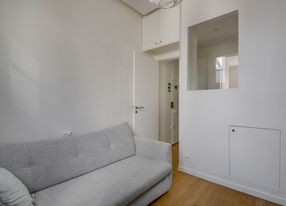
<point>235,186</point>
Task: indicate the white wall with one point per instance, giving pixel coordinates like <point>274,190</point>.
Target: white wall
<point>65,65</point>
<point>260,101</point>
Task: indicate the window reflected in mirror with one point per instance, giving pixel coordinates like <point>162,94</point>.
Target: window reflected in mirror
<point>213,60</point>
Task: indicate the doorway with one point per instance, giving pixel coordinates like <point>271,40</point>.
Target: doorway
<point>169,101</point>
<point>155,98</point>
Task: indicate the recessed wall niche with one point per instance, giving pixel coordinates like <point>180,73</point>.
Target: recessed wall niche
<point>213,55</point>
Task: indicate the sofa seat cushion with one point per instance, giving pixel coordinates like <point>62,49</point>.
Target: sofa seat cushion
<point>117,184</point>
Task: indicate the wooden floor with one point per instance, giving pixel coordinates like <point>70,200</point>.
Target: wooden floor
<point>192,191</point>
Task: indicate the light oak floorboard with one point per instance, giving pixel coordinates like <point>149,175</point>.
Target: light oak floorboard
<point>188,190</point>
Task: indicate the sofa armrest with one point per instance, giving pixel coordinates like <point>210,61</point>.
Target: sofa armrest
<point>153,149</point>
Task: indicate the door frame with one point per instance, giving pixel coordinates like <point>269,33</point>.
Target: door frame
<point>171,58</point>
<point>164,57</point>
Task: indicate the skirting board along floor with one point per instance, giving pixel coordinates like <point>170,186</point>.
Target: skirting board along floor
<point>188,190</point>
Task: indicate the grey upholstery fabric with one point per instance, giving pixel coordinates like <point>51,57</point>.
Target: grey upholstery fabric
<point>12,190</point>
<point>153,193</point>
<point>153,149</point>
<point>105,168</point>
<point>42,164</point>
<point>117,184</point>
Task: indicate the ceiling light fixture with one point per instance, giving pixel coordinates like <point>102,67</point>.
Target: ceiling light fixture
<point>165,4</point>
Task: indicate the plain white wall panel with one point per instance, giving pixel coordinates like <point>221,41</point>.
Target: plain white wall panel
<point>65,66</point>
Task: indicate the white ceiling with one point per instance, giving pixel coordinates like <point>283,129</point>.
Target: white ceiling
<point>142,6</point>
<point>216,31</point>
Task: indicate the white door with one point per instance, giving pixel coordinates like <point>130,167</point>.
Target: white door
<point>145,96</point>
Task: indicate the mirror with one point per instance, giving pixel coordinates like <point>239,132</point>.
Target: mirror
<point>213,60</point>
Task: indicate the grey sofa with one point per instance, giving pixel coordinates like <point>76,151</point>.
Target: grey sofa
<point>105,168</point>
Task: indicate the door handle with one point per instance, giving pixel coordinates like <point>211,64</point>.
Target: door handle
<point>139,107</point>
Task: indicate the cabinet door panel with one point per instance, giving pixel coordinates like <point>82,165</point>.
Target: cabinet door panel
<point>255,156</point>
<point>151,31</point>
<point>169,25</point>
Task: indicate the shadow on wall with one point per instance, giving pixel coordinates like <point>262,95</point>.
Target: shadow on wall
<point>24,80</point>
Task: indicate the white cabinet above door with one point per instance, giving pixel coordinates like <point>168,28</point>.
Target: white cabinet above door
<point>151,31</point>
<point>169,26</point>
<point>161,28</point>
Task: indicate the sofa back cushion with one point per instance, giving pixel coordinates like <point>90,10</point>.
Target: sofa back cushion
<point>46,163</point>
